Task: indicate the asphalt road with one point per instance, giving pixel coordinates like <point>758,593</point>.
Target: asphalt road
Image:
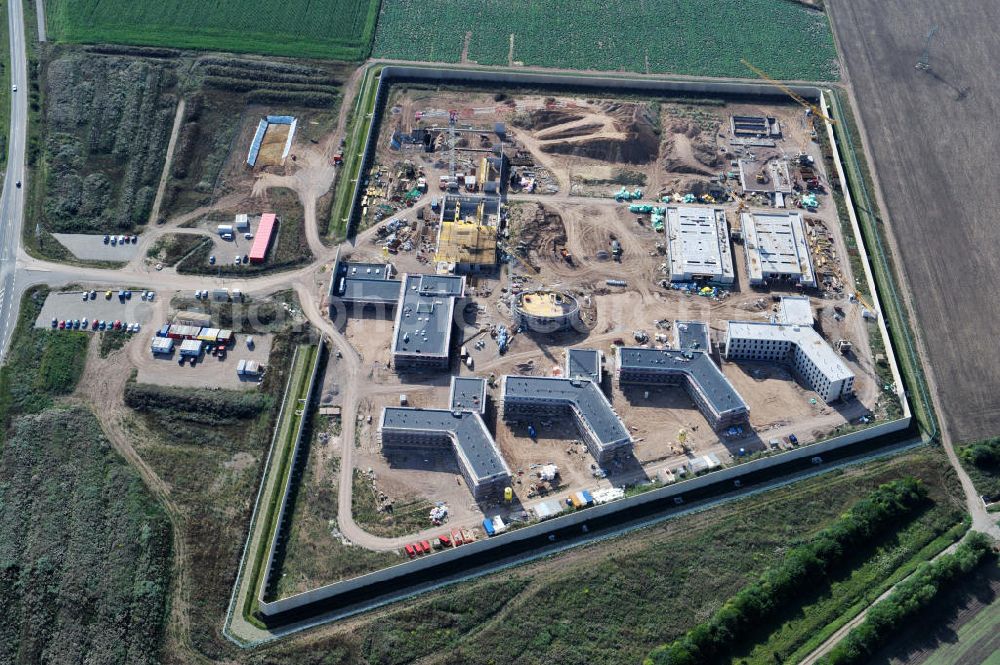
<point>12,200</point>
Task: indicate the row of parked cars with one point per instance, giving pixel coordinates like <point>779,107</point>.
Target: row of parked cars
<point>123,295</point>
<point>237,260</point>
<point>96,325</point>
<point>120,240</point>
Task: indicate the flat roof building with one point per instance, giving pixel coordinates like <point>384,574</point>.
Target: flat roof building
<point>603,432</point>
<point>819,367</point>
<point>698,245</point>
<point>425,307</point>
<point>483,467</point>
<point>777,248</point>
<point>467,394</point>
<point>584,364</point>
<point>692,335</point>
<point>794,311</point>
<point>424,320</point>
<point>693,369</point>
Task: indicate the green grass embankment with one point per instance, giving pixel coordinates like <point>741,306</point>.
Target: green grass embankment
<point>292,413</point>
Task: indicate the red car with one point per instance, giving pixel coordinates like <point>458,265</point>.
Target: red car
<point>62,325</point>
<point>410,552</point>
<point>118,325</point>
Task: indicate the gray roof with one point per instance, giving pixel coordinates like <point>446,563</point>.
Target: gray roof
<point>365,283</point>
<point>697,366</point>
<point>583,363</point>
<point>590,403</point>
<point>474,444</point>
<point>425,315</point>
<point>468,394</point>
<point>692,335</point>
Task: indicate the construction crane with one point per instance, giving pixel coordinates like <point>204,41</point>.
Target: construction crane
<point>864,303</point>
<point>802,101</point>
<point>924,62</point>
<point>452,119</point>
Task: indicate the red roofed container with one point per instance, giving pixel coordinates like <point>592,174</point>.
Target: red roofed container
<point>262,240</point>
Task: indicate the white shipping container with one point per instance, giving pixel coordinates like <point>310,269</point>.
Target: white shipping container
<point>241,367</point>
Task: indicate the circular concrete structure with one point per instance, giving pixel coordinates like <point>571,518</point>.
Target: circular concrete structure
<point>546,311</point>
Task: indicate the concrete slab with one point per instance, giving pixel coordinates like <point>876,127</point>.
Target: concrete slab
<point>91,247</point>
<point>70,305</point>
<point>209,371</point>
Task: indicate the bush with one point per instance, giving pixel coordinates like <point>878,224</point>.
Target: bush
<point>711,640</point>
<point>910,597</point>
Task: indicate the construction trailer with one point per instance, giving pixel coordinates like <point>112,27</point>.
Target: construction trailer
<point>191,348</point>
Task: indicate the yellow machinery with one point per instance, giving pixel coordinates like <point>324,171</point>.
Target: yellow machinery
<point>865,303</point>
<point>791,93</point>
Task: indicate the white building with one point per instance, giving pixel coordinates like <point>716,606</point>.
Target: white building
<point>794,311</point>
<point>698,245</point>
<point>812,359</point>
<point>777,248</point>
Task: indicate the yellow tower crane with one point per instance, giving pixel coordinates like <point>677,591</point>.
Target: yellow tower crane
<point>817,111</point>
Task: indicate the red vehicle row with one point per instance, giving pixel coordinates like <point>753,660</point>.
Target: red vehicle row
<point>456,538</point>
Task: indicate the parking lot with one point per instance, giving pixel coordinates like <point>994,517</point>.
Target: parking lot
<point>209,371</point>
<point>91,247</point>
<point>226,251</point>
<point>70,305</point>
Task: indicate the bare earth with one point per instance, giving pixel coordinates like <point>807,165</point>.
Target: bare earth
<point>935,155</point>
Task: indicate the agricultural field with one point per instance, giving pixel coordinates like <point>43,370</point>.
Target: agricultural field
<point>339,30</point>
<point>926,176</point>
<point>85,548</point>
<point>107,120</point>
<point>696,37</point>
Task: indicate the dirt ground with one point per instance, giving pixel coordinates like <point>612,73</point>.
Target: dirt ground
<point>562,238</point>
<point>932,171</point>
<point>273,145</point>
<point>209,372</point>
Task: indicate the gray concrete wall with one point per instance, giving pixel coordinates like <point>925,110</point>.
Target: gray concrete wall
<point>279,530</point>
<point>724,476</point>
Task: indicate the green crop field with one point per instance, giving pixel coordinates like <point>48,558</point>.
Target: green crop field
<point>337,29</point>
<point>697,37</point>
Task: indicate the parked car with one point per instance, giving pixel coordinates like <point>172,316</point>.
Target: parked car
<point>237,261</point>
<point>84,295</point>
<point>118,325</point>
<point>150,295</point>
<point>107,295</point>
<point>62,325</point>
<point>792,439</point>
<point>246,258</point>
<point>247,236</point>
<point>55,323</point>
<point>135,239</point>
<point>114,242</point>
<point>211,260</point>
<point>107,238</point>
<point>93,295</point>
<point>76,324</point>
<point>84,324</point>
<point>128,295</point>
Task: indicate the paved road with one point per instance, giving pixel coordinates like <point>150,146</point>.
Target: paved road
<point>12,200</point>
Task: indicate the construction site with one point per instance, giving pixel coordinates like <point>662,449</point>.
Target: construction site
<point>639,292</point>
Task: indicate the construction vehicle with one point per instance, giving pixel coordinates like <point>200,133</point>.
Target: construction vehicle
<point>802,101</point>
<point>864,303</point>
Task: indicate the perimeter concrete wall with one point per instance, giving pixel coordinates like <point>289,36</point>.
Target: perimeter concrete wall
<point>445,561</point>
